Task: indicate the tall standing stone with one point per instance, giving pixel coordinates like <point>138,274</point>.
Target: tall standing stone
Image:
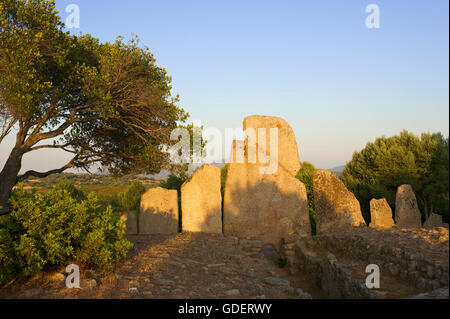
<point>159,212</point>
<point>407,213</point>
<point>433,221</point>
<point>266,206</point>
<point>237,152</point>
<point>336,207</point>
<point>381,214</point>
<point>288,157</point>
<point>201,201</point>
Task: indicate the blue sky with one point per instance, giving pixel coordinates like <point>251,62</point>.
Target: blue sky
<point>314,63</point>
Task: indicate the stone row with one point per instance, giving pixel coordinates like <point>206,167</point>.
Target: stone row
<point>263,198</point>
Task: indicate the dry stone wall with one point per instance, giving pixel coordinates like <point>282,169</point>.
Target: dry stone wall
<point>417,256</point>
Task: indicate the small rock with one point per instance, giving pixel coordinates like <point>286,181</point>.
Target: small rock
<point>302,295</point>
<point>167,282</point>
<point>215,265</point>
<point>232,293</point>
<point>133,291</point>
<point>420,283</point>
<point>277,282</point>
<point>441,293</point>
<point>270,253</point>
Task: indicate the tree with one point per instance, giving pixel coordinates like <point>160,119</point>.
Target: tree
<point>306,176</point>
<point>107,104</point>
<point>389,162</point>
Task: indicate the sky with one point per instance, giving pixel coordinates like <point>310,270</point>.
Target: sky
<point>338,83</point>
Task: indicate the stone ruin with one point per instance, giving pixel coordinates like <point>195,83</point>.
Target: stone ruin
<point>264,207</point>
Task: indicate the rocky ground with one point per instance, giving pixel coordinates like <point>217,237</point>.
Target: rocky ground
<point>191,266</point>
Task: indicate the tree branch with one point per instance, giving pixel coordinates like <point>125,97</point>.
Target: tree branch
<point>63,147</point>
<point>8,128</point>
<point>48,173</point>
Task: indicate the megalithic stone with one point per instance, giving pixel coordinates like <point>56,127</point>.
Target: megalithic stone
<point>434,221</point>
<point>407,213</point>
<point>336,207</point>
<point>381,214</point>
<point>201,201</point>
<point>272,205</point>
<point>159,212</point>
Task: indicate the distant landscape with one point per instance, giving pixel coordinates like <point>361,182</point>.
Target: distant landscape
<point>106,184</point>
<point>88,183</point>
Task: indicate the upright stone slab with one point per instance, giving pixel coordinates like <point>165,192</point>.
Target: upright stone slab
<point>381,214</point>
<point>336,207</point>
<point>266,206</point>
<point>433,221</point>
<point>130,220</point>
<point>159,212</point>
<point>288,157</point>
<point>237,152</point>
<point>407,213</point>
<point>201,201</point>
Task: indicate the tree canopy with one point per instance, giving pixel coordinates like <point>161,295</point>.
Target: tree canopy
<point>389,162</point>
<point>106,103</point>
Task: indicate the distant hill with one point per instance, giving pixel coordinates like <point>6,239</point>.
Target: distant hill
<point>338,169</point>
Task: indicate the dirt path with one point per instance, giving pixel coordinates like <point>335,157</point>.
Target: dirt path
<point>190,266</point>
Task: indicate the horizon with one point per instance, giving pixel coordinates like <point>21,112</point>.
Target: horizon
<point>337,83</point>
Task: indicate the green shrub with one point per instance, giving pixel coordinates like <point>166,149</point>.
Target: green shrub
<point>306,176</point>
<point>66,185</point>
<point>174,182</point>
<point>131,198</point>
<point>52,229</point>
<point>223,178</point>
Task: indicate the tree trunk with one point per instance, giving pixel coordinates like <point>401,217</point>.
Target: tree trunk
<point>426,209</point>
<point>8,179</point>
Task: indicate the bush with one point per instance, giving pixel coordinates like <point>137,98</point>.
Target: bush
<point>223,178</point>
<point>174,182</point>
<point>306,176</point>
<point>131,198</point>
<point>66,185</point>
<point>53,229</point>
